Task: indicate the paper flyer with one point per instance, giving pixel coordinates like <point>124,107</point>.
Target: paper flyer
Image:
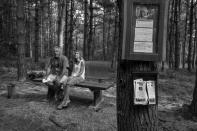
<point>151,92</point>
<point>140,95</point>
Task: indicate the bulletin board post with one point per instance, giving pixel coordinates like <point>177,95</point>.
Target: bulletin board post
<point>143,31</point>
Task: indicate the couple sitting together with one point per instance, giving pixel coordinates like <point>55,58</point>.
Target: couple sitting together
<point>57,75</point>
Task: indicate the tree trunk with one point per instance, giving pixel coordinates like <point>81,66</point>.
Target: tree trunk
<point>28,31</point>
<point>61,25</point>
<point>90,38</point>
<point>193,105</point>
<point>195,40</point>
<point>1,21</point>
<point>85,29</point>
<point>115,39</point>
<point>44,7</point>
<point>71,30</point>
<point>37,28</point>
<point>21,40</point>
<point>108,38</point>
<point>171,35</point>
<point>94,39</point>
<point>66,43</point>
<point>104,31</point>
<point>50,46</point>
<point>130,117</point>
<point>189,59</point>
<point>177,43</point>
<point>185,40</point>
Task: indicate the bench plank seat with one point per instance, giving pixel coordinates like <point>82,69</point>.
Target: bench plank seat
<point>93,85</point>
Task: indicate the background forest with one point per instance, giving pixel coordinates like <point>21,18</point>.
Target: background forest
<point>90,26</point>
<point>29,29</point>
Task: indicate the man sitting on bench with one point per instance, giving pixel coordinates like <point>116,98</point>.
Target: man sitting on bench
<point>57,73</point>
<point>77,76</point>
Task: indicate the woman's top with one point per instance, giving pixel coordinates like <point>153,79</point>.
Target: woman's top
<point>79,69</point>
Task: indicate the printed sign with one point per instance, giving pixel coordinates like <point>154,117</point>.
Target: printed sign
<point>151,92</point>
<point>140,95</point>
<point>144,92</point>
<point>144,34</point>
<point>144,23</point>
<point>144,28</point>
<point>144,47</point>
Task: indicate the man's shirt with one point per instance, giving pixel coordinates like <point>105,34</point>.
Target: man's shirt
<point>59,65</point>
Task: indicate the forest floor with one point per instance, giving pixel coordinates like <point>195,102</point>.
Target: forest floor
<point>28,110</point>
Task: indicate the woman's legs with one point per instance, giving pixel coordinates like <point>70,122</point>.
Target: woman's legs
<point>71,82</point>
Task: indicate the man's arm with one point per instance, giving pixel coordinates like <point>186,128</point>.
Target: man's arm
<point>65,66</point>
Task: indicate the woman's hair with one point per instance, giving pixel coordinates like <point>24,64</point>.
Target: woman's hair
<point>80,54</point>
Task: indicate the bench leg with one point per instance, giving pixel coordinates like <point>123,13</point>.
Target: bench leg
<point>97,99</point>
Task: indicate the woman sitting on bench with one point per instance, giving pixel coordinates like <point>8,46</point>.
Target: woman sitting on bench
<point>77,76</point>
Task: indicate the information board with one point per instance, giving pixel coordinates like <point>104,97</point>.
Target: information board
<point>144,29</point>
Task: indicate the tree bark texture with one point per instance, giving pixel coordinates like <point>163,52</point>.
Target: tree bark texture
<point>50,28</point>
<point>109,56</point>
<point>90,38</point>
<point>115,39</point>
<point>85,36</point>
<point>177,34</point>
<point>189,59</point>
<point>130,117</point>
<point>21,40</point>
<point>195,39</point>
<point>194,100</point>
<point>61,25</point>
<point>71,30</point>
<point>66,43</point>
<point>28,30</point>
<point>104,33</point>
<point>45,28</point>
<point>186,31</point>
<point>171,35</point>
<point>1,21</point>
<point>37,28</point>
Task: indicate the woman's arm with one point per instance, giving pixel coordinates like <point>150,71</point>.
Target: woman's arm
<point>82,68</point>
<point>48,67</point>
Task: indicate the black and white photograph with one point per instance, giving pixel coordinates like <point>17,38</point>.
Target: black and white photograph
<point>98,65</point>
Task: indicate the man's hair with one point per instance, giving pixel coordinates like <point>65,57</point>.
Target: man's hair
<point>57,47</point>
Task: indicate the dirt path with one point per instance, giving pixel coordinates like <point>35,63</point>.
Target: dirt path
<point>29,110</point>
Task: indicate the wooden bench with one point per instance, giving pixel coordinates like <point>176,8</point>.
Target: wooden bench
<point>96,87</point>
<point>98,78</point>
